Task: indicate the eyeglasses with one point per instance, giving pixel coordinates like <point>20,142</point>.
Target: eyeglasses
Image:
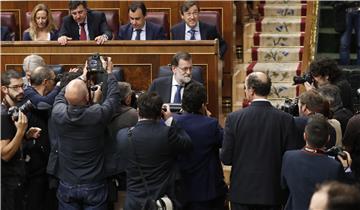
<point>17,87</point>
<point>191,13</point>
<point>185,69</point>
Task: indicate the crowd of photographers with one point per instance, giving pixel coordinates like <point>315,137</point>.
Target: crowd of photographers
<point>66,142</point>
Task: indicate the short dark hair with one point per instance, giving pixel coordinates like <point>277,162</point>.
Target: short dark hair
<point>260,87</point>
<point>193,98</point>
<point>332,94</point>
<point>325,67</point>
<point>343,197</point>
<point>317,131</point>
<point>149,105</point>
<point>68,77</point>
<point>39,75</point>
<point>314,102</point>
<point>74,4</point>
<point>180,56</point>
<point>186,6</point>
<point>125,90</point>
<point>9,74</point>
<point>137,5</point>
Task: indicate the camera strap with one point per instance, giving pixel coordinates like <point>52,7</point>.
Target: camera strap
<point>137,162</point>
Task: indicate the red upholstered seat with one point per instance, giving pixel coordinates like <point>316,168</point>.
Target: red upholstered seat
<point>112,19</point>
<point>8,19</point>
<point>160,18</point>
<point>212,18</point>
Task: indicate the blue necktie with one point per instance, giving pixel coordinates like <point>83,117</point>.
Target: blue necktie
<point>138,32</point>
<point>192,32</point>
<point>177,98</point>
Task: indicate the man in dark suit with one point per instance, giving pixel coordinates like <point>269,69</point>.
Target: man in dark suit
<point>171,88</point>
<point>297,164</point>
<point>138,28</point>
<point>84,24</point>
<point>201,170</point>
<point>255,138</point>
<point>193,29</point>
<point>151,149</point>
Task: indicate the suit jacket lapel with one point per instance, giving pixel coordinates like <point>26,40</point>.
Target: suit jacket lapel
<point>202,31</point>
<point>182,31</point>
<point>167,90</point>
<point>129,32</point>
<point>147,31</point>
<point>75,28</point>
<point>91,29</point>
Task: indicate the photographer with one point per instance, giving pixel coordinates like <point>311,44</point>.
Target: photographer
<point>332,94</point>
<point>41,93</point>
<point>151,150</point>
<point>80,127</point>
<point>310,103</point>
<point>201,170</point>
<point>303,169</point>
<point>326,71</point>
<point>12,134</point>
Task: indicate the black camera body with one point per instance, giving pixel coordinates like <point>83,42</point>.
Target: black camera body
<point>25,108</point>
<point>95,65</point>
<point>335,151</point>
<point>291,106</point>
<point>174,108</point>
<point>302,79</point>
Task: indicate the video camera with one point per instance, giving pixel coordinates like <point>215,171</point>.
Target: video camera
<point>291,106</point>
<point>97,74</point>
<point>335,151</point>
<point>97,64</point>
<point>25,108</point>
<point>302,79</point>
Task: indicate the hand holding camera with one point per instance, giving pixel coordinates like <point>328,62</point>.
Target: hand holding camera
<point>345,161</point>
<point>21,123</point>
<point>166,112</point>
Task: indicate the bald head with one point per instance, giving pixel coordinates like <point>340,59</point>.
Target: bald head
<point>76,93</point>
<point>259,82</point>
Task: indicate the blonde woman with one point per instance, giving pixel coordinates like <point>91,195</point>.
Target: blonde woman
<point>42,27</point>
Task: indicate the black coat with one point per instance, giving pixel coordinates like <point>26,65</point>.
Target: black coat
<point>157,147</point>
<point>97,26</point>
<point>153,31</point>
<point>255,138</point>
<point>163,85</point>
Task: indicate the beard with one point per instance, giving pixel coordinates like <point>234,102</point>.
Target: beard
<point>17,98</point>
<point>186,79</point>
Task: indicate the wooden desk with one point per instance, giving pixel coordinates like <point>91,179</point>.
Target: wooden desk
<point>140,59</point>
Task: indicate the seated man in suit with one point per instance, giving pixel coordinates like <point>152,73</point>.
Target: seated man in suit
<point>193,29</point>
<point>138,28</point>
<point>171,88</point>
<point>84,24</point>
<point>6,34</point>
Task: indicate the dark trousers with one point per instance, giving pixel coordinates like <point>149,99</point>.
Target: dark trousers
<point>12,194</point>
<point>214,204</point>
<point>238,206</point>
<point>82,196</point>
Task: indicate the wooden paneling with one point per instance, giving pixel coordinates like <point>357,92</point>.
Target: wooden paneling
<point>140,59</point>
<point>225,9</point>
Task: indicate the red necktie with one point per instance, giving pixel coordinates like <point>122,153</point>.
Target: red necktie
<point>82,32</point>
